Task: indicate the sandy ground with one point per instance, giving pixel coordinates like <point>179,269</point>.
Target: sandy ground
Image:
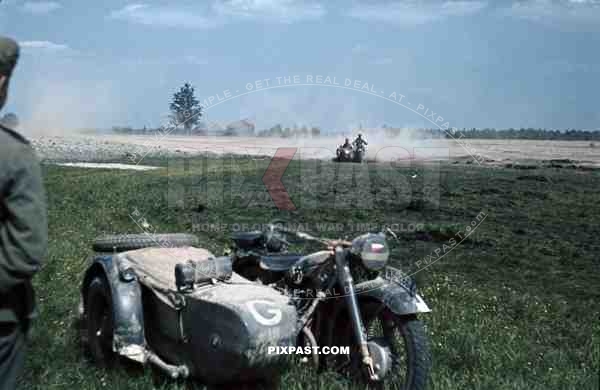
<point>86,148</point>
<point>133,167</point>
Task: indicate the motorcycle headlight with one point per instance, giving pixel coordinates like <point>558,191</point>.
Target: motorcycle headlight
<point>373,250</point>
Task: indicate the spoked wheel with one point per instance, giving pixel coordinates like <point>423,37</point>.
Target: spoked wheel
<point>402,343</point>
<point>100,326</point>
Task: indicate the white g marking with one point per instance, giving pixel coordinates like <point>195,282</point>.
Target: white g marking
<point>275,311</point>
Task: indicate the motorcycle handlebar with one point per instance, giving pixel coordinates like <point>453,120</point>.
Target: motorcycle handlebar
<point>330,243</point>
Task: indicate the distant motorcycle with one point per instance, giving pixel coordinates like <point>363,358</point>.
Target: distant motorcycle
<point>350,154</point>
<point>359,153</point>
<point>376,317</point>
<point>344,153</point>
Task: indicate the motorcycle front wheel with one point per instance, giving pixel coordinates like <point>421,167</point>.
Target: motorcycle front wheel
<point>405,340</point>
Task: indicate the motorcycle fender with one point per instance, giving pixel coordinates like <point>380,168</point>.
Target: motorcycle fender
<point>393,295</point>
<point>129,338</point>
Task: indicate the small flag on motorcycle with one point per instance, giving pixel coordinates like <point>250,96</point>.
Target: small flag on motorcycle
<point>377,247</point>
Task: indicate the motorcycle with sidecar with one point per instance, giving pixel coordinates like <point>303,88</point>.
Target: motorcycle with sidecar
<point>345,295</point>
<point>159,299</point>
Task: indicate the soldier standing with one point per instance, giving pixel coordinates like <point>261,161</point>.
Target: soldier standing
<point>360,141</point>
<point>23,232</point>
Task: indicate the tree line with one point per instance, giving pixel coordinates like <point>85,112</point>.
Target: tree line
<point>287,132</point>
<point>528,134</point>
<point>423,133</point>
<point>186,113</point>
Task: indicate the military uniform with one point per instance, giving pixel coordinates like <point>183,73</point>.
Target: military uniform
<point>359,142</point>
<point>23,236</point>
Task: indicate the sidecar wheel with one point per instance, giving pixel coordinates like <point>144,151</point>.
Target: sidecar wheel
<point>129,242</point>
<point>100,323</point>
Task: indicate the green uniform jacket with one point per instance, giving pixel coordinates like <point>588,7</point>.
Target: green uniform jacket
<point>23,225</point>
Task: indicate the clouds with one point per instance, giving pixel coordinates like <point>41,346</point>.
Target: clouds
<point>382,61</point>
<point>188,59</point>
<point>40,7</point>
<point>219,13</point>
<point>410,13</point>
<point>44,45</point>
<point>413,13</point>
<point>407,13</point>
<point>164,16</point>
<point>561,13</point>
<point>285,11</point>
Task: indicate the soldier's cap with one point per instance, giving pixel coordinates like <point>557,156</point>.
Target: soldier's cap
<point>9,54</point>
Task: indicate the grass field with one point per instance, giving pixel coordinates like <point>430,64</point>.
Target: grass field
<point>515,306</point>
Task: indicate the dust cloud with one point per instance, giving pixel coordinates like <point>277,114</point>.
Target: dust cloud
<point>66,108</point>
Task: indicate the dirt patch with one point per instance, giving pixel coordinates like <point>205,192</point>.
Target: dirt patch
<point>108,166</point>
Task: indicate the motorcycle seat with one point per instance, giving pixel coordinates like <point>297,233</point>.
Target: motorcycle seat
<point>279,263</point>
<point>248,240</point>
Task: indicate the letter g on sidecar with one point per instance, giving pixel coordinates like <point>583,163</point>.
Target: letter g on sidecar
<point>159,299</point>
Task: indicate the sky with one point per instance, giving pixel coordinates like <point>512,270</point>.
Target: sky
<point>406,63</point>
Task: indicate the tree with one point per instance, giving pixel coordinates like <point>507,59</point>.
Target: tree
<point>276,131</point>
<point>185,108</point>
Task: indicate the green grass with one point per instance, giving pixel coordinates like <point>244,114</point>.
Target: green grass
<point>515,306</point>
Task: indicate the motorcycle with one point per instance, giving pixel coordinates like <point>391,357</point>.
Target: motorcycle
<point>359,153</point>
<point>160,300</point>
<point>345,153</point>
<point>344,296</point>
<point>350,154</point>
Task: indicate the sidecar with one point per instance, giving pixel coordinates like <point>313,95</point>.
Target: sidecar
<point>349,154</point>
<point>183,310</point>
<point>344,154</point>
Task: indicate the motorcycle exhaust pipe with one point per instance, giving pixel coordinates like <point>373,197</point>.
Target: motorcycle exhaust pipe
<point>175,372</point>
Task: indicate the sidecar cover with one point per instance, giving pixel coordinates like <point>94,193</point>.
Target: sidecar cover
<point>155,267</point>
<point>227,326</point>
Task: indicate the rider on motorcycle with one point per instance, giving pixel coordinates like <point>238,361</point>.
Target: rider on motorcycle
<point>359,142</point>
<point>347,144</point>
